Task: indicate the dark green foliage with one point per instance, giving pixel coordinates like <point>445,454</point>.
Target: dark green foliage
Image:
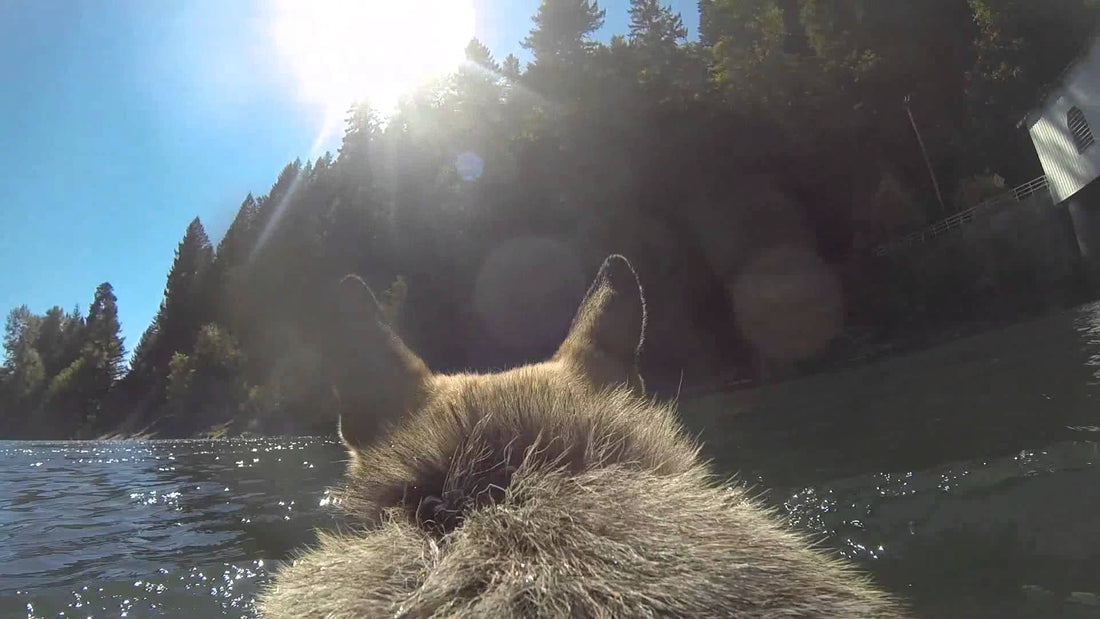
<point>60,368</point>
<point>655,26</point>
<point>192,292</point>
<point>59,338</point>
<point>563,30</point>
<point>206,387</point>
<point>27,373</point>
<point>102,341</point>
<point>20,332</point>
<point>186,301</point>
<point>510,69</point>
<point>776,149</point>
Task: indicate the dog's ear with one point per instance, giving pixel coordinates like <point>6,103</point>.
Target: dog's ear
<point>378,378</point>
<point>607,333</point>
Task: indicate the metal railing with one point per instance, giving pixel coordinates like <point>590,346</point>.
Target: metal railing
<point>943,226</point>
<point>1034,186</point>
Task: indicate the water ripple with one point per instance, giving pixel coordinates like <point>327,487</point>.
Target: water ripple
<point>161,528</point>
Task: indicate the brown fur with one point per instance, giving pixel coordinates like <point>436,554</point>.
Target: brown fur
<point>551,490</point>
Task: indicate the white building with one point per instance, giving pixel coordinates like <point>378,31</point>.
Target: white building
<point>1062,127</point>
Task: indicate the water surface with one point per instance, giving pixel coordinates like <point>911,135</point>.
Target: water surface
<point>154,528</point>
<point>964,478</point>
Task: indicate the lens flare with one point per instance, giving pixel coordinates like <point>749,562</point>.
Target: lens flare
<point>469,166</point>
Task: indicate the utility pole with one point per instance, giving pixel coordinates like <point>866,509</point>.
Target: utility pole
<point>924,151</point>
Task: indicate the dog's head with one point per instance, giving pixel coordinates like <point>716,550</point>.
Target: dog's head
<point>383,381</point>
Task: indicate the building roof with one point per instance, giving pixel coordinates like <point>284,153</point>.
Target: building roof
<point>1055,84</point>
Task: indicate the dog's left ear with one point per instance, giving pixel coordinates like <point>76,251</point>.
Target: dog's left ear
<point>606,336</point>
<point>379,379</point>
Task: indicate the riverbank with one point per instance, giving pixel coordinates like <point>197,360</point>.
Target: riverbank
<point>993,393</point>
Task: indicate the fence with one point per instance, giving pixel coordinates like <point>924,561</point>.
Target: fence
<point>1019,194</point>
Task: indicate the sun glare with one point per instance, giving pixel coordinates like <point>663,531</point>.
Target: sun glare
<point>343,51</point>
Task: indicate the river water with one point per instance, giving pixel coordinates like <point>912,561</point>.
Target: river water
<point>964,478</point>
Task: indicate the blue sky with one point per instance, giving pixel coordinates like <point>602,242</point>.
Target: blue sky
<point>121,121</point>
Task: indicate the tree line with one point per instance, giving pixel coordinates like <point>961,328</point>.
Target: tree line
<point>747,174</point>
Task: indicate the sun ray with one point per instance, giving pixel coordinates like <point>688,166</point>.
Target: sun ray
<point>344,51</point>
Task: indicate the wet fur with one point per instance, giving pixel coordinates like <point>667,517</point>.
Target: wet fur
<point>556,490</point>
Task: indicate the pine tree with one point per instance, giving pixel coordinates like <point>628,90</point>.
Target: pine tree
<point>59,339</point>
<point>742,24</point>
<point>142,356</point>
<point>510,68</point>
<point>75,400</point>
<point>73,333</point>
<point>224,280</point>
<point>26,373</point>
<point>104,347</point>
<point>478,54</point>
<point>269,208</point>
<point>562,30</point>
<point>478,86</point>
<point>234,247</point>
<point>183,291</point>
<point>182,309</point>
<point>655,36</point>
<point>20,331</point>
<point>653,26</point>
<point>50,341</point>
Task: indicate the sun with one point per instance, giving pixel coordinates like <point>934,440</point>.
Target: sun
<point>344,51</point>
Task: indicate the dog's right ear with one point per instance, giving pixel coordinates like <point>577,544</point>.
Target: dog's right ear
<point>606,336</point>
<point>378,378</point>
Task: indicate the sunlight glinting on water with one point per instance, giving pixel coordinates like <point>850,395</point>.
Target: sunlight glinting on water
<point>133,528</point>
